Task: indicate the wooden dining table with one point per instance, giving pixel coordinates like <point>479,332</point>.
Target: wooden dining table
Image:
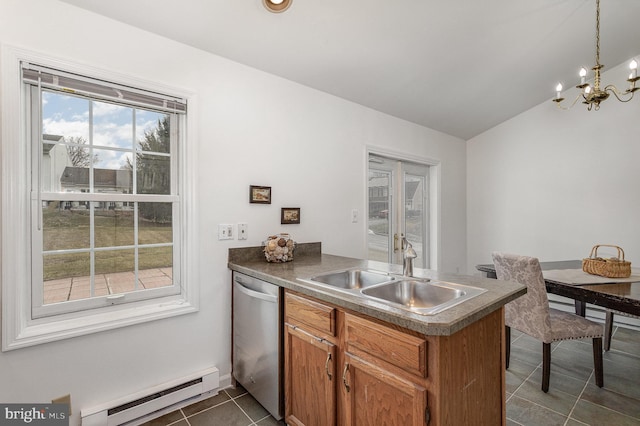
<point>614,295</point>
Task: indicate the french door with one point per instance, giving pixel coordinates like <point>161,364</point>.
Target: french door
<point>398,197</point>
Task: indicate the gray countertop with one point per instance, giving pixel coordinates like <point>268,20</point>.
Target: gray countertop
<point>309,261</point>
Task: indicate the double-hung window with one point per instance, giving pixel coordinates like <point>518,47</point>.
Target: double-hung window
<point>104,184</point>
<point>106,232</point>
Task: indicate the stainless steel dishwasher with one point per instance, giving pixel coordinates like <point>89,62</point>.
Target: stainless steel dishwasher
<point>257,341</point>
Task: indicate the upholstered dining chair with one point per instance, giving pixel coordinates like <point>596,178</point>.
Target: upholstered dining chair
<point>531,314</point>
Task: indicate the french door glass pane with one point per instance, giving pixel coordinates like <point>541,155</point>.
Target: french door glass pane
<point>379,215</point>
<point>414,215</point>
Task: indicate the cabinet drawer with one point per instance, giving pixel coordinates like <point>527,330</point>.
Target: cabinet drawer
<point>403,350</point>
<point>313,314</point>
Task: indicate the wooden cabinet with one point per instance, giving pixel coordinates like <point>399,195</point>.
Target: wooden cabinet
<point>385,370</point>
<point>343,368</point>
<point>310,397</point>
<point>375,396</point>
<point>309,362</point>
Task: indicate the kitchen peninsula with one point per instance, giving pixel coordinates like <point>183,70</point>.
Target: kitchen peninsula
<point>349,359</point>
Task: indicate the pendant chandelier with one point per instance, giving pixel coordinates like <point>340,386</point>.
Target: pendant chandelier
<point>592,95</point>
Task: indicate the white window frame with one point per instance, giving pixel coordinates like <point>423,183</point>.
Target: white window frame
<point>33,99</point>
<point>19,328</point>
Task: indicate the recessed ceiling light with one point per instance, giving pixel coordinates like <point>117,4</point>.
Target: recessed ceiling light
<point>277,6</point>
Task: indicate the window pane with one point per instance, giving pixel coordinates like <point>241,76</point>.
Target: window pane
<point>56,291</point>
<point>78,153</point>
<point>112,159</point>
<point>66,277</point>
<point>64,116</point>
<point>153,174</point>
<point>153,131</point>
<point>153,171</point>
<point>65,131</point>
<point>117,268</point>
<point>68,265</point>
<point>113,224</point>
<point>155,223</point>
<point>112,125</point>
<point>74,179</point>
<point>81,288</point>
<point>156,268</point>
<point>65,225</point>
<point>112,172</point>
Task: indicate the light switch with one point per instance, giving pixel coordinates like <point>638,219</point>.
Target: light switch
<point>242,231</point>
<point>225,231</point>
<point>354,216</point>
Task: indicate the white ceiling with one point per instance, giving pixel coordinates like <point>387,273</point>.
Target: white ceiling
<point>457,66</point>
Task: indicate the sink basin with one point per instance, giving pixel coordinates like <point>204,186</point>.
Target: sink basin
<point>351,279</point>
<point>419,295</point>
<point>422,296</point>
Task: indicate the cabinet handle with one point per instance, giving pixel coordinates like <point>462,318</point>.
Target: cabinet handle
<point>326,365</point>
<point>344,377</point>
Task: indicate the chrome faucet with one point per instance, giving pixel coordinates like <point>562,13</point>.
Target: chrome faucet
<point>408,254</point>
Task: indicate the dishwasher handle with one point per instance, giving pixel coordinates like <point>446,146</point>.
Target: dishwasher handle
<point>256,294</point>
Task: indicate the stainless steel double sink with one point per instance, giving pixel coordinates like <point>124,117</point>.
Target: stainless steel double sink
<point>419,295</point>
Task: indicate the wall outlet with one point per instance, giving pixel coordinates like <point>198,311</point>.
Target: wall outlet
<point>243,232</point>
<point>66,399</point>
<point>225,231</point>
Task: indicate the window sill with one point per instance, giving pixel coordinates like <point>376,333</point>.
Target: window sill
<point>78,324</point>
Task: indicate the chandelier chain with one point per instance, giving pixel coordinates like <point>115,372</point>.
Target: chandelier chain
<point>596,69</point>
<point>597,32</point>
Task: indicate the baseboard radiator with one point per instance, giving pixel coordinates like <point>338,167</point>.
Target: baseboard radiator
<point>140,405</point>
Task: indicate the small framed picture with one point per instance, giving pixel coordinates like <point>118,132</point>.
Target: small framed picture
<point>260,194</point>
<point>290,215</point>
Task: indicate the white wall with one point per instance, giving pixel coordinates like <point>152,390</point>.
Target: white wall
<point>552,184</point>
<point>253,128</point>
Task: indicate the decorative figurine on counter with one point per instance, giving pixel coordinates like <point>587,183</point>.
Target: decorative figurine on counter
<point>279,248</point>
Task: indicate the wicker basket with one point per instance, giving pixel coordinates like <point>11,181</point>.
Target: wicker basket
<point>615,267</point>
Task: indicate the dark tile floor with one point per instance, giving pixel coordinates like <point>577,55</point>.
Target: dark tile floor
<point>573,398</point>
<point>231,407</point>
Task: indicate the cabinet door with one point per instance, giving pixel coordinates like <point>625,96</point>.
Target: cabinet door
<point>374,396</point>
<point>310,392</point>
